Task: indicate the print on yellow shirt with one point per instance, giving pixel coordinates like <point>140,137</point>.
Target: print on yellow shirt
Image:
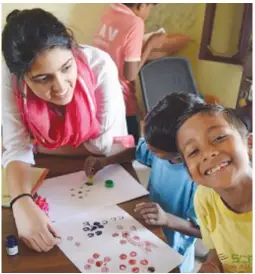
<point>229,233</point>
<point>236,263</point>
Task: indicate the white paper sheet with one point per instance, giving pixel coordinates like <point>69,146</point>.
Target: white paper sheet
<point>123,244</point>
<point>148,35</point>
<point>68,195</point>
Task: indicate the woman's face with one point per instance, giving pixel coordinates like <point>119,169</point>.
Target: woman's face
<point>53,76</point>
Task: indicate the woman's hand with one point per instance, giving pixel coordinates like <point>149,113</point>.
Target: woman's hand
<point>93,164</point>
<point>33,226</point>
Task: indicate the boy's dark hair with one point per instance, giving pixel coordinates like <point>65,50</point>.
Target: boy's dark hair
<point>229,114</point>
<point>29,32</point>
<point>161,122</point>
<point>131,5</point>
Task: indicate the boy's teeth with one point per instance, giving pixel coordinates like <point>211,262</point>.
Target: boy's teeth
<point>224,164</point>
<point>213,170</point>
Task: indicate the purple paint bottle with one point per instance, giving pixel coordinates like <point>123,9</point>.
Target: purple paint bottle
<point>11,245</point>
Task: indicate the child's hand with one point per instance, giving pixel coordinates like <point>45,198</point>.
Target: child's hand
<point>209,268</point>
<point>152,213</point>
<point>93,164</point>
<point>157,40</point>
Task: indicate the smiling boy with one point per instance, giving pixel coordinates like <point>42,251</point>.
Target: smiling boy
<point>214,144</point>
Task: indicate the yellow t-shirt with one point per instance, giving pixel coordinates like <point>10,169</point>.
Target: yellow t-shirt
<point>229,233</point>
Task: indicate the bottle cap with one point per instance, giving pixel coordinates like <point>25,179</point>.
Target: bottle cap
<point>108,183</point>
<point>11,241</point>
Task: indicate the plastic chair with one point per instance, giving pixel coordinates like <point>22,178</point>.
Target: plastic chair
<point>163,76</point>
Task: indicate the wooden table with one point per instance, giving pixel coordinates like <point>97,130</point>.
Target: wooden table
<point>28,261</point>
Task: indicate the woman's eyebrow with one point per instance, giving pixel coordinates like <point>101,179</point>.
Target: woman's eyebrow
<point>45,74</point>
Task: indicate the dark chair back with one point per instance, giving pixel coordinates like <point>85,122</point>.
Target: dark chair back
<point>163,76</point>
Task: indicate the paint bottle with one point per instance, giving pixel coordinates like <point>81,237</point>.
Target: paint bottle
<point>11,245</point>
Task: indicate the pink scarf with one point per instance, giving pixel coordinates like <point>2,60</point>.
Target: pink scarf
<point>77,125</point>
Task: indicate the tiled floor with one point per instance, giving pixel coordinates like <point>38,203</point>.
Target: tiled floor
<point>143,173</point>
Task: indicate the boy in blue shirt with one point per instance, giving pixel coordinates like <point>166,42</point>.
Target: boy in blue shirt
<point>171,189</point>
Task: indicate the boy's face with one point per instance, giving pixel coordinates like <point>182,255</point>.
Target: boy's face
<point>143,11</point>
<point>214,151</point>
<point>173,157</point>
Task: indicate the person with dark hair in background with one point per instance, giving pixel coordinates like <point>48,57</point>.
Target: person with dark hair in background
<point>121,35</point>
<point>170,186</point>
<point>58,97</point>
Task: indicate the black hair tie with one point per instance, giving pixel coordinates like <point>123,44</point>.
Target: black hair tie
<point>18,197</point>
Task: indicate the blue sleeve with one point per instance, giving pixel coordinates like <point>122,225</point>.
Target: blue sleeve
<point>190,213</point>
<point>143,154</point>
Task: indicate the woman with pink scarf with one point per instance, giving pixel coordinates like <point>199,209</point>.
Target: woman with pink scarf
<point>58,98</point>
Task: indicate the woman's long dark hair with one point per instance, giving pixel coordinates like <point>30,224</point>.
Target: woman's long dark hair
<point>28,33</point>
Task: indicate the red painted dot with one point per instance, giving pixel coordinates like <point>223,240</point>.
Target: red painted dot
<point>136,238</point>
<point>107,259</point>
<point>123,256</point>
<point>132,262</point>
<point>91,260</point>
<point>123,242</point>
<point>125,234</point>
<point>87,266</point>
<point>99,263</point>
<point>144,262</point>
<point>135,269</point>
<point>105,269</point>
<point>133,254</point>
<point>122,267</point>
<point>96,255</point>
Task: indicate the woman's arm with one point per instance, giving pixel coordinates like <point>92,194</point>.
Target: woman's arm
<point>17,143</point>
<point>33,226</point>
<point>19,178</point>
<point>17,155</point>
<point>111,112</point>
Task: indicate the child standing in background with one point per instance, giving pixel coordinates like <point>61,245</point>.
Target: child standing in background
<point>214,144</point>
<point>121,35</point>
